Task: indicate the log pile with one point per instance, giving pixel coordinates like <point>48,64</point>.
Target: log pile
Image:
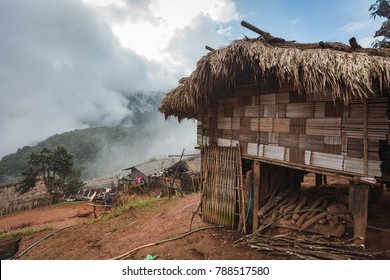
<point>307,247</point>
<point>320,210</point>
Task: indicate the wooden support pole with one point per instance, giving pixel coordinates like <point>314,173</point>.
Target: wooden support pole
<point>318,179</point>
<point>358,204</point>
<point>256,194</point>
<point>365,136</point>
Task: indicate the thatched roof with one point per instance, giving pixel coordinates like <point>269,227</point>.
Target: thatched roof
<point>336,68</point>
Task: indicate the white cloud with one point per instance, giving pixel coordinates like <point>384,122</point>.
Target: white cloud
<point>150,33</point>
<point>69,64</point>
<point>354,27</point>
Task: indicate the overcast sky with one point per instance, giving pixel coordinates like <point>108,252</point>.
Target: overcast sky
<point>67,64</point>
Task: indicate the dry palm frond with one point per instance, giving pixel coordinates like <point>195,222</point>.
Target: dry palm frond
<point>336,70</point>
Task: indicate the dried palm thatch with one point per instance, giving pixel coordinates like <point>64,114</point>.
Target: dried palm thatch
<point>334,68</point>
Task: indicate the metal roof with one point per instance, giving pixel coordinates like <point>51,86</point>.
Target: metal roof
<point>153,167</point>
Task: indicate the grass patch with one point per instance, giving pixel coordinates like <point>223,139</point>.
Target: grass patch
<point>134,205</point>
<point>127,203</point>
<point>12,234</point>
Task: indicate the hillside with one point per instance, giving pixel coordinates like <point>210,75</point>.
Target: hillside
<point>112,235</point>
<point>99,151</point>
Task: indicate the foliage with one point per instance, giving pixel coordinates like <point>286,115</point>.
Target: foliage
<point>55,168</point>
<point>381,8</point>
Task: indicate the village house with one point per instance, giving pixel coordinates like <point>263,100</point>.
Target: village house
<point>269,111</point>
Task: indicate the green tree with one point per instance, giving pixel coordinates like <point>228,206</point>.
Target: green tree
<point>381,8</point>
<point>55,168</point>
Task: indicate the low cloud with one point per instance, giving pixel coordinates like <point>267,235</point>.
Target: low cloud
<point>63,67</point>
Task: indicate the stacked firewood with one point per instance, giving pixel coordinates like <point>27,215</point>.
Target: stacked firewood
<point>320,210</point>
<point>307,247</point>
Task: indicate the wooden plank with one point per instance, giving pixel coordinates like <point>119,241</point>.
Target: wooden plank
<point>245,123</point>
<point>327,160</point>
<point>236,123</point>
<point>324,126</point>
<point>264,138</point>
<point>352,164</point>
<point>228,111</point>
<point>246,101</point>
<point>212,112</point>
<point>238,112</point>
<point>300,110</point>
<point>273,138</point>
<point>274,152</point>
<point>296,156</point>
<point>311,143</point>
<point>332,149</point>
<point>283,97</point>
<point>253,149</point>
<point>319,110</point>
<point>253,111</point>
<point>365,136</point>
<point>230,102</point>
<point>298,126</point>
<point>271,111</point>
<point>356,165</point>
<point>268,98</point>
<point>254,124</point>
<point>224,142</point>
<point>247,136</point>
<point>282,108</point>
<point>288,140</point>
<point>358,204</point>
<point>281,125</point>
<point>266,124</point>
<point>224,123</point>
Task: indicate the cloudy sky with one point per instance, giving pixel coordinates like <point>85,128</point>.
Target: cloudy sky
<point>67,64</point>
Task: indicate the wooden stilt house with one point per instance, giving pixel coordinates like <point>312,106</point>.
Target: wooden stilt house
<point>320,107</point>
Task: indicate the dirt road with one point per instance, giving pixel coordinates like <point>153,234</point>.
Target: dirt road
<point>99,239</point>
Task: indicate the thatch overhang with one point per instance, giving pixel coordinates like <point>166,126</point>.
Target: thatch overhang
<point>337,69</point>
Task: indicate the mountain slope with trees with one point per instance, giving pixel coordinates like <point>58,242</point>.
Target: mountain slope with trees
<point>99,151</point>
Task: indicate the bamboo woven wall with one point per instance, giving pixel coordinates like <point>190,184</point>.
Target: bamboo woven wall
<point>11,201</point>
<point>274,122</point>
<point>221,182</point>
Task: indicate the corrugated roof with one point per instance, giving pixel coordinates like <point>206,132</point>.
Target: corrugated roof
<point>153,167</point>
<point>194,164</point>
<point>99,183</point>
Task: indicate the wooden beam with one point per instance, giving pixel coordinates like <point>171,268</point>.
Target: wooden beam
<point>358,204</point>
<point>308,168</point>
<point>256,194</point>
<point>209,48</point>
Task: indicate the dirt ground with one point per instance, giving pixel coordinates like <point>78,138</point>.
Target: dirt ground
<point>109,238</point>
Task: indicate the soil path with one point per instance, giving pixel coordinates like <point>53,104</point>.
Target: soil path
<point>112,237</point>
<point>93,239</point>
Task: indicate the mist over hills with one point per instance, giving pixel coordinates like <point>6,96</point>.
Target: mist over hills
<point>100,151</point>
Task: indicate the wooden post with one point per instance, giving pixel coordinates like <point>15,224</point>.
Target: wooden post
<point>318,179</point>
<point>365,136</point>
<point>358,204</point>
<point>256,194</point>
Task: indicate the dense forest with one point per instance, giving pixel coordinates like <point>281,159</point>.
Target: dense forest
<point>100,151</point>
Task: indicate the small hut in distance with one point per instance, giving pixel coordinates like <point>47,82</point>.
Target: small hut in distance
<point>290,108</point>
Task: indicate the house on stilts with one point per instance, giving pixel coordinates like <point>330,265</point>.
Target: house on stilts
<point>270,111</point>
